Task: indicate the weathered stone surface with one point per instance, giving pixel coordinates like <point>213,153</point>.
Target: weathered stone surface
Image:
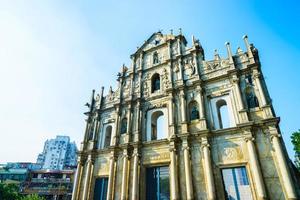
<point>197,148</point>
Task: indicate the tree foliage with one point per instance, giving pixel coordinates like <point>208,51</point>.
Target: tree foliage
<point>11,192</point>
<point>32,197</point>
<point>296,140</point>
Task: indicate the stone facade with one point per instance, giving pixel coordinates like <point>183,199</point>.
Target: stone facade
<point>217,116</point>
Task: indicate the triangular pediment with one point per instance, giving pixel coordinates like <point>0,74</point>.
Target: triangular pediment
<point>154,40</point>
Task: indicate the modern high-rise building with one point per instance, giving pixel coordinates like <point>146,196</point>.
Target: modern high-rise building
<point>58,154</point>
<point>180,127</point>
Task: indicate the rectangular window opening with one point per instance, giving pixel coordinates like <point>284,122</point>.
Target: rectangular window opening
<point>236,184</point>
<point>100,191</point>
<point>157,183</point>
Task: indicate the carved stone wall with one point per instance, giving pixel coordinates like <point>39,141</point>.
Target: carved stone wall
<point>195,150</point>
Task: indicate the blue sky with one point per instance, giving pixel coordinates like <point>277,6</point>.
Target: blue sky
<point>53,53</point>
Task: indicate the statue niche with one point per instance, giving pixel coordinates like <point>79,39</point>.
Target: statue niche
<point>194,112</point>
<point>124,126</point>
<point>155,82</point>
<point>155,58</point>
<point>252,101</point>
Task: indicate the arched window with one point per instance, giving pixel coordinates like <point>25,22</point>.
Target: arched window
<point>157,125</point>
<point>107,136</point>
<point>155,57</point>
<point>155,82</point>
<point>194,111</point>
<point>223,114</point>
<point>124,126</point>
<point>252,101</point>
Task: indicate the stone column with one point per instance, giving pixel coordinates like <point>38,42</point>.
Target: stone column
<point>137,122</point>
<point>241,112</point>
<point>255,168</point>
<point>115,134</point>
<point>201,103</point>
<point>208,171</point>
<point>187,169</point>
<point>183,112</point>
<point>181,75</point>
<point>77,179</point>
<point>124,175</point>
<point>135,182</point>
<point>171,116</point>
<point>286,177</point>
<point>89,166</point>
<point>256,77</point>
<point>173,174</point>
<point>129,120</point>
<point>111,178</point>
<point>235,81</point>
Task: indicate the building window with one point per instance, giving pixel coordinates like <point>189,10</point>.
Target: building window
<point>155,57</point>
<point>236,184</point>
<point>155,83</point>
<point>223,115</point>
<point>124,126</point>
<point>100,191</point>
<point>107,136</point>
<point>157,183</point>
<point>157,125</point>
<point>194,111</point>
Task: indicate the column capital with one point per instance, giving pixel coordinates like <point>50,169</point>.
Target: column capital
<point>172,149</point>
<point>274,135</point>
<point>256,74</point>
<point>185,148</point>
<point>204,143</point>
<point>181,93</point>
<point>113,156</point>
<point>234,79</point>
<point>249,138</point>
<point>205,146</point>
<point>125,154</point>
<point>90,158</point>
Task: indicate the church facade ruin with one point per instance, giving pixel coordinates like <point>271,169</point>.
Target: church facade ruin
<point>182,127</point>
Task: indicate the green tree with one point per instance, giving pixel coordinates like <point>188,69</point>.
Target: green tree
<point>33,197</point>
<point>9,191</point>
<point>296,140</point>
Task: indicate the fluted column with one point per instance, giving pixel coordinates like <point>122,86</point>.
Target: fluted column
<point>124,175</point>
<point>255,168</point>
<point>135,182</point>
<point>286,177</point>
<point>77,179</point>
<point>256,77</point>
<point>173,174</point>
<point>187,170</point>
<point>89,166</point>
<point>208,171</point>
<point>111,177</point>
